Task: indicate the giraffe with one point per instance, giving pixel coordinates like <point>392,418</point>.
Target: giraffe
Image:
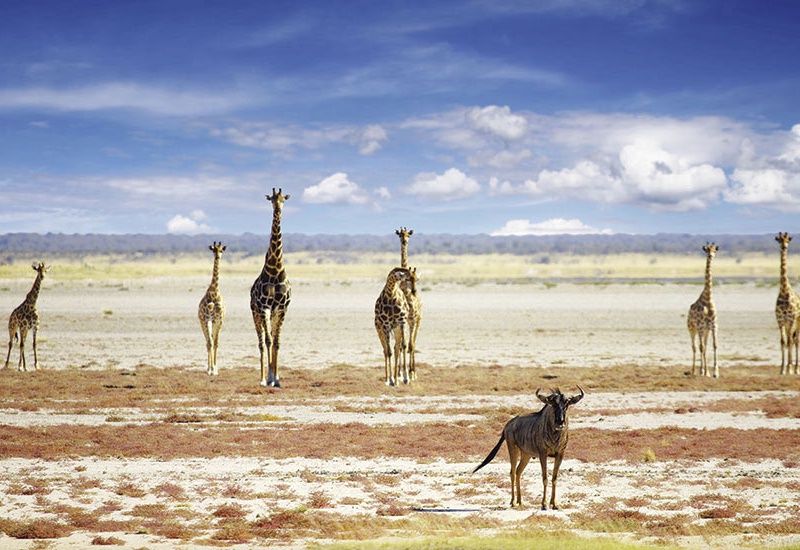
<point>25,318</point>
<point>270,296</point>
<point>702,319</point>
<point>787,309</point>
<point>211,311</point>
<point>412,301</point>
<point>391,314</point>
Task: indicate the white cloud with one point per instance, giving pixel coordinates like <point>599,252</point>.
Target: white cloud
<point>191,225</point>
<point>771,180</point>
<point>643,174</point>
<point>498,121</point>
<point>452,184</point>
<point>335,189</point>
<point>553,226</point>
<point>126,95</point>
<point>285,139</point>
<point>383,193</point>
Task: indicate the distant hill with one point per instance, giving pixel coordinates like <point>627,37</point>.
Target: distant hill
<point>249,243</point>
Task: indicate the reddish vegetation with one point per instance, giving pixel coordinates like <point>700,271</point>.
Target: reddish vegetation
<point>418,441</point>
<point>36,529</point>
<point>107,541</point>
<point>148,387</point>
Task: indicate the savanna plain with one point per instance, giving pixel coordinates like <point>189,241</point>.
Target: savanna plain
<point>121,439</point>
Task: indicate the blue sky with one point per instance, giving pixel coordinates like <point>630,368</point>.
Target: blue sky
<point>515,117</point>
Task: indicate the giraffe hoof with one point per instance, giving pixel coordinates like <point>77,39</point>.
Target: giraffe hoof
<point>263,383</point>
<point>276,384</point>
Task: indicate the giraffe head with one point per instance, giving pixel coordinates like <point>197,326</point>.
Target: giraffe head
<point>404,233</point>
<point>710,249</point>
<point>217,248</point>
<point>40,268</point>
<point>783,239</point>
<point>277,199</point>
<point>401,275</point>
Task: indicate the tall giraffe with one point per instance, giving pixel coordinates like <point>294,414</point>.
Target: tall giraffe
<point>211,311</point>
<point>270,296</point>
<point>702,319</point>
<point>412,301</point>
<point>25,318</point>
<point>391,316</point>
<point>787,308</point>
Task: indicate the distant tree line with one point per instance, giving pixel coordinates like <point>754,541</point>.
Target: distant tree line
<point>249,243</point>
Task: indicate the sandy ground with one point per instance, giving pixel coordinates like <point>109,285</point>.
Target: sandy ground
<point>154,321</point>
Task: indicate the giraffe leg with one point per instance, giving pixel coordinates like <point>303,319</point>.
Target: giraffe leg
<point>383,336</point>
<point>783,348</point>
<point>523,462</point>
<point>399,344</point>
<point>789,343</point>
<point>277,324</point>
<point>701,342</point>
<point>204,328</point>
<point>556,466</point>
<point>23,333</point>
<point>796,351</point>
<point>706,370</point>
<point>692,334</point>
<point>412,348</point>
<point>714,344</point>
<point>35,358</point>
<point>258,320</point>
<point>215,330</point>
<point>513,458</point>
<point>543,462</point>
<point>11,335</point>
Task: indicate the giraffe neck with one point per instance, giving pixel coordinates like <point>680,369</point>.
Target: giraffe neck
<point>404,254</point>
<point>785,269</point>
<point>273,263</point>
<point>709,281</point>
<point>33,294</point>
<point>214,286</point>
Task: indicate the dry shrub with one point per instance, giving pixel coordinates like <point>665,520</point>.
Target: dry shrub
<point>170,490</point>
<point>718,513</point>
<point>153,511</point>
<point>229,511</point>
<point>182,418</point>
<point>29,487</point>
<point>35,529</point>
<point>108,507</point>
<point>128,489</point>
<point>350,501</point>
<point>283,520</point>
<point>388,479</point>
<point>234,490</point>
<point>649,455</point>
<point>235,530</point>
<point>634,502</point>
<point>318,499</point>
<point>107,541</point>
<point>392,510</point>
<point>170,530</point>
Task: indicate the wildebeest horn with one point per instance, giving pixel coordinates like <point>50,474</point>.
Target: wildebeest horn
<point>541,398</point>
<point>575,398</point>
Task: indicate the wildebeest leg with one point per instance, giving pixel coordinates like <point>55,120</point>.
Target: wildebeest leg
<point>513,458</point>
<point>556,465</point>
<point>521,468</point>
<point>543,462</point>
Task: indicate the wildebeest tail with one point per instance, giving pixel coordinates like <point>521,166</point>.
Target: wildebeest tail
<point>492,454</point>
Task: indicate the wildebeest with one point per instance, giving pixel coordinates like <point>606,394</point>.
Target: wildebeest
<point>543,433</point>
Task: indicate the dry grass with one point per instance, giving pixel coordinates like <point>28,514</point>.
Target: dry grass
<point>229,511</point>
<point>171,490</point>
<point>34,529</point>
<point>128,489</point>
<point>107,541</point>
